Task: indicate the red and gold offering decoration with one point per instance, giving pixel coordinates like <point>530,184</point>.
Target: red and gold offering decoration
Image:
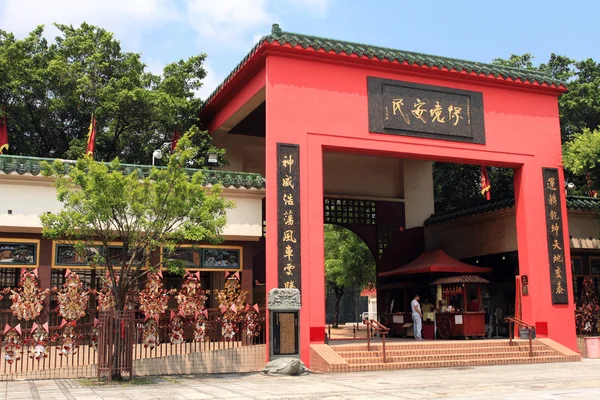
<point>176,328</point>
<point>72,299</point>
<point>151,336</point>
<point>105,296</point>
<point>39,341</point>
<point>231,299</point>
<point>28,299</point>
<point>11,341</point>
<point>191,298</point>
<point>154,298</point>
<point>67,339</point>
<point>252,321</point>
<point>200,326</point>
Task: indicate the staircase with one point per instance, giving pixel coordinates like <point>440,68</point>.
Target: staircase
<point>435,354</point>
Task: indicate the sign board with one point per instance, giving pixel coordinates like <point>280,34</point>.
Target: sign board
<point>285,333</point>
<point>411,109</point>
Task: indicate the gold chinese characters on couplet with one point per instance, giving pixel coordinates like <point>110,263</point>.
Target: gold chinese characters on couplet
<point>288,216</point>
<point>556,254</point>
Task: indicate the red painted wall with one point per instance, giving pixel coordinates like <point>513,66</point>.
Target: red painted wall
<point>323,105</point>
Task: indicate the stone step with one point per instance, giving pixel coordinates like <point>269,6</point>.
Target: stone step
<point>470,350</point>
<point>433,344</point>
<point>455,363</point>
<point>446,357</point>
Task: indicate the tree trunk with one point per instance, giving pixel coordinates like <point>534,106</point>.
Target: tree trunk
<point>339,292</point>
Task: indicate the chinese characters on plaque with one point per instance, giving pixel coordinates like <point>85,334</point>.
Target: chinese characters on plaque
<point>411,109</point>
<point>554,224</point>
<point>288,214</point>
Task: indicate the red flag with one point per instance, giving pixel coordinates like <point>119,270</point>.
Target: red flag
<point>175,139</point>
<point>91,137</point>
<point>485,183</point>
<point>3,134</point>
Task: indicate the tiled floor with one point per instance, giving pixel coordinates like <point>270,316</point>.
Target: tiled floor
<point>517,382</point>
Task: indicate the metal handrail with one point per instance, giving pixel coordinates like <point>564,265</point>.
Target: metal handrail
<point>530,329</point>
<point>379,328</point>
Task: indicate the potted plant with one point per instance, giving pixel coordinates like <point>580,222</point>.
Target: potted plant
<point>589,318</point>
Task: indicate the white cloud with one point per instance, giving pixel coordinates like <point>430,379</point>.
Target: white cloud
<point>209,83</point>
<point>227,20</point>
<point>317,7</point>
<point>127,18</point>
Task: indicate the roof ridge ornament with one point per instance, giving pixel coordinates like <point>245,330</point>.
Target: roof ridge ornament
<point>276,30</point>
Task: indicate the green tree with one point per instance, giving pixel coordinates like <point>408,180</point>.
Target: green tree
<point>581,156</point>
<point>50,91</point>
<point>102,203</point>
<point>348,263</point>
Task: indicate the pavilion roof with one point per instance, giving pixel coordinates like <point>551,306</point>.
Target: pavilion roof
<point>469,279</point>
<point>574,203</point>
<point>384,54</point>
<point>32,165</point>
<point>436,261</point>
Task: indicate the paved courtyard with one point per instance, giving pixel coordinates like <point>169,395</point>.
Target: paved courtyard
<point>544,381</point>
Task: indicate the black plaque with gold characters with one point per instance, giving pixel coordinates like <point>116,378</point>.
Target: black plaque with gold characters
<point>285,333</point>
<point>556,245</point>
<point>411,109</point>
<point>288,215</point>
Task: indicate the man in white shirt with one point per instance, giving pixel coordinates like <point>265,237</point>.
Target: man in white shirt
<point>417,316</point>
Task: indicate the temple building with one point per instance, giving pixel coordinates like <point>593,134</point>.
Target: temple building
<point>321,131</point>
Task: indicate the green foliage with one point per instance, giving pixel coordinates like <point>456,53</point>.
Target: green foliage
<point>50,91</point>
<point>348,260</point>
<point>581,156</point>
<point>103,203</point>
<point>458,185</point>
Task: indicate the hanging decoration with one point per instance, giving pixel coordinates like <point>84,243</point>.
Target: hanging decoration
<point>176,328</point>
<point>67,339</point>
<point>154,298</point>
<point>191,298</point>
<point>231,299</point>
<point>72,299</point>
<point>200,326</point>
<point>154,301</point>
<point>11,342</point>
<point>252,321</point>
<point>105,297</point>
<point>39,341</point>
<point>150,335</point>
<point>28,299</point>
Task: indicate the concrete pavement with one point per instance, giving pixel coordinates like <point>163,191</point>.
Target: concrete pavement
<point>516,382</point>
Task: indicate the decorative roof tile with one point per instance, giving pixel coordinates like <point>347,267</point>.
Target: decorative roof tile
<point>32,165</point>
<point>574,203</point>
<point>391,55</point>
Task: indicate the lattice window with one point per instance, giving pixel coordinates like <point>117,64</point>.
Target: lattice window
<point>344,211</point>
<point>384,235</point>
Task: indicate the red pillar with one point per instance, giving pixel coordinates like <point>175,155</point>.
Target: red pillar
<point>533,256</point>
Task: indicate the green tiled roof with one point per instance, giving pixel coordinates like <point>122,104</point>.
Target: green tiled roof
<point>574,203</point>
<point>340,47</point>
<point>32,165</point>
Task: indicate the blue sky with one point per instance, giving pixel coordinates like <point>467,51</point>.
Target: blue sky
<point>168,30</point>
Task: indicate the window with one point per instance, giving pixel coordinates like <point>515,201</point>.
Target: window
<point>595,266</point>
<point>208,257</point>
<point>18,253</point>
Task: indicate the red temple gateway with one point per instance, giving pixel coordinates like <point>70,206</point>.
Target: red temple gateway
<point>298,106</point>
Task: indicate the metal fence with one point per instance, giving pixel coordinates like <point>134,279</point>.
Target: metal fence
<point>104,344</point>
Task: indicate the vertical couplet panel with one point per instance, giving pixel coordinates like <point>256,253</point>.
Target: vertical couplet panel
<point>288,216</point>
<point>556,245</point>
